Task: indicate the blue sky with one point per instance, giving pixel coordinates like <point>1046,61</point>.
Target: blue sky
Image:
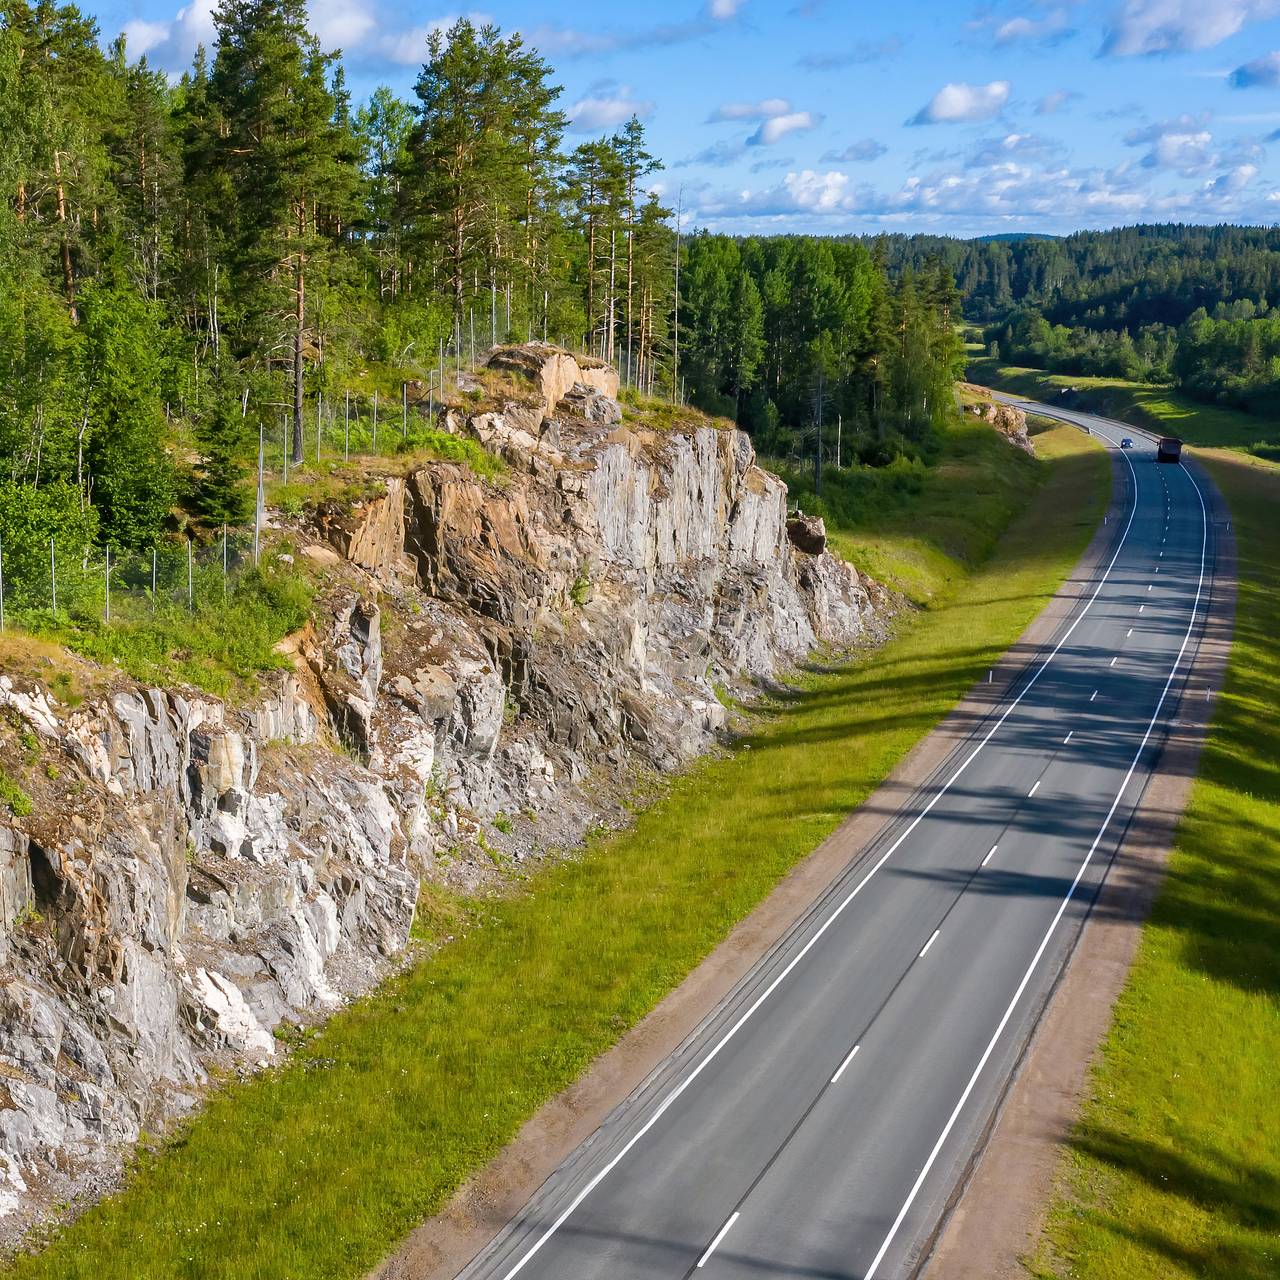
<point>838,116</point>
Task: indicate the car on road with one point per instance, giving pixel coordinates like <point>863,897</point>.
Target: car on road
<point>1126,443</point>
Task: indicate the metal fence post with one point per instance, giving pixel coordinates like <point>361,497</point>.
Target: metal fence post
<point>153,575</point>
<point>191,595</point>
<point>1,584</point>
<point>404,411</point>
<point>346,431</point>
<point>53,578</point>
<point>224,559</point>
<point>106,606</point>
<point>375,421</point>
<point>319,416</point>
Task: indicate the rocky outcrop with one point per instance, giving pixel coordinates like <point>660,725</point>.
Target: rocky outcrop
<point>1007,418</point>
<point>192,874</point>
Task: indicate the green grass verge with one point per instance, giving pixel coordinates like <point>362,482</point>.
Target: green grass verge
<point>920,528</point>
<point>317,1168</point>
<point>1174,1168</point>
<point>1156,408</point>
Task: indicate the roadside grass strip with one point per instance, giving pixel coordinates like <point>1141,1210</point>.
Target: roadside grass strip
<point>1174,1168</point>
<point>315,1169</point>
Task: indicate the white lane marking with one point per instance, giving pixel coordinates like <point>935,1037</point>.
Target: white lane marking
<point>1035,788</point>
<point>990,852</point>
<point>1150,585</point>
<point>678,1092</point>
<point>1128,633</point>
<point>1068,737</point>
<point>1141,607</point>
<point>1093,695</point>
<point>927,945</point>
<point>1062,906</point>
<point>720,1235</point>
<point>1113,660</point>
<point>853,1053</point>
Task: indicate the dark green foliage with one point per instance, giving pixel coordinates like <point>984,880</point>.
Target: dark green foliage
<point>224,490</point>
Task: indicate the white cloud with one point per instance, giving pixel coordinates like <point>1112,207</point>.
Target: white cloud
<point>778,127</point>
<point>961,103</point>
<point>340,24</point>
<point>1051,28</point>
<point>172,44</point>
<point>723,10</point>
<point>141,37</point>
<point>603,110</point>
<point>1183,144</point>
<point>1170,26</point>
<point>765,110</point>
<point>1262,72</point>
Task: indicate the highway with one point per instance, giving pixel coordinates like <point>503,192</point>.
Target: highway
<point>820,1122</point>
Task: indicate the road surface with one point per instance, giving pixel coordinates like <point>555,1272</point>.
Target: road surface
<point>821,1121</point>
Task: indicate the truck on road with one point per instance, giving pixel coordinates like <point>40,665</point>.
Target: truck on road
<point>1169,449</point>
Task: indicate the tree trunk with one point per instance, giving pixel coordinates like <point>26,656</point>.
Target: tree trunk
<point>68,275</point>
<point>299,321</point>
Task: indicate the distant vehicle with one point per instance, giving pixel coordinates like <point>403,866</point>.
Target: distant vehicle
<point>1126,443</point>
<point>1169,449</point>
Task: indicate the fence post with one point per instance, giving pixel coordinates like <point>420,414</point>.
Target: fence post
<point>53,578</point>
<point>224,559</point>
<point>1,584</point>
<point>319,415</point>
<point>153,577</point>
<point>375,421</point>
<point>346,432</point>
<point>106,606</point>
<point>258,505</point>
<point>404,411</point>
<point>284,440</point>
<point>191,586</point>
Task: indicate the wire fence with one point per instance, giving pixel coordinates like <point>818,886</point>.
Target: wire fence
<point>56,581</point>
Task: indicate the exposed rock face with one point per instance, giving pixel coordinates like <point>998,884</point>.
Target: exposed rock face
<point>1004,417</point>
<point>193,874</point>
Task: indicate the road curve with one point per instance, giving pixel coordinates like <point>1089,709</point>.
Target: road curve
<point>821,1121</point>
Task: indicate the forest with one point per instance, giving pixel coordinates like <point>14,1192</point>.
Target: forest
<point>189,265</point>
<point>1189,306</point>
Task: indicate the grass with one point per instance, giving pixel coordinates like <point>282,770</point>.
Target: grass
<point>915,527</point>
<point>220,645</point>
<point>1156,408</point>
<point>317,1168</point>
<point>1174,1168</point>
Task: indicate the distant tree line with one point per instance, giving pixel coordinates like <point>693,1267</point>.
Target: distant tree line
<point>786,333</point>
<point>1185,305</point>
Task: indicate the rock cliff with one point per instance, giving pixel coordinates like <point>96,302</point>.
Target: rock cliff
<point>193,874</point>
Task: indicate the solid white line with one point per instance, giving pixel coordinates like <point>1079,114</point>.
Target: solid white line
<point>987,859</point>
<point>720,1235</point>
<point>1035,788</point>
<point>1053,925</point>
<point>928,944</point>
<point>674,1096</point>
<point>852,1054</point>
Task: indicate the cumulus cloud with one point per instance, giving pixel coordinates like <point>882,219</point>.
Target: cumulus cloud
<point>1184,144</point>
<point>765,110</point>
<point>604,108</point>
<point>1262,72</point>
<point>776,128</point>
<point>860,152</point>
<point>963,103</point>
<point>171,44</point>
<point>1172,26</point>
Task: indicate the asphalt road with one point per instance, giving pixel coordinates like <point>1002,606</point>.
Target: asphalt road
<point>821,1120</point>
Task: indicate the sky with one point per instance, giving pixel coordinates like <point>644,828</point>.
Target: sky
<point>838,116</point>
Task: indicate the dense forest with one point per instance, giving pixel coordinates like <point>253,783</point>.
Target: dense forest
<point>1192,306</point>
<point>184,264</point>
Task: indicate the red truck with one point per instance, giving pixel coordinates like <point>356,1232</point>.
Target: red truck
<point>1169,449</point>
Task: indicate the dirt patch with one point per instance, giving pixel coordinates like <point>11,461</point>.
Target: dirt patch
<point>998,1219</point>
<point>443,1245</point>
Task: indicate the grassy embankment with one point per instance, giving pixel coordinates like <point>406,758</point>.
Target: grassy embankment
<point>1155,408</point>
<point>315,1169</point>
<point>1174,1167</point>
